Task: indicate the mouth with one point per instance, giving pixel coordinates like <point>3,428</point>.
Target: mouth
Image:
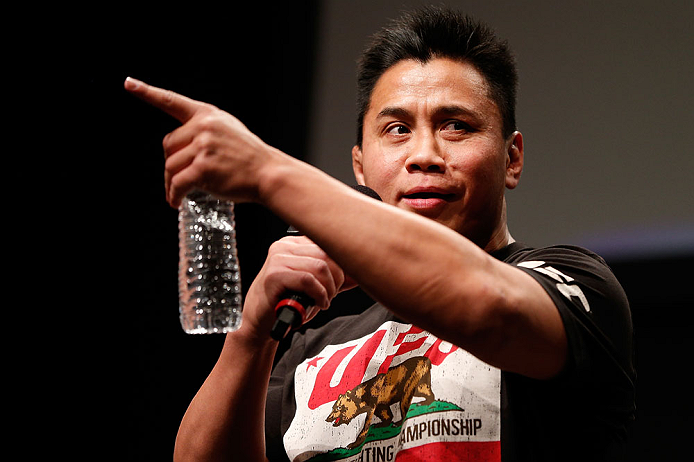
<point>429,195</point>
<point>427,199</point>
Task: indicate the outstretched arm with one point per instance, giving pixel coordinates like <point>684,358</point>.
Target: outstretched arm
<point>425,272</point>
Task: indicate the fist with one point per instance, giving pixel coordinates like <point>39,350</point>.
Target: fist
<point>293,264</point>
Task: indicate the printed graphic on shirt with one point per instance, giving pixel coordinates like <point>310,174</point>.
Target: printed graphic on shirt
<point>399,392</point>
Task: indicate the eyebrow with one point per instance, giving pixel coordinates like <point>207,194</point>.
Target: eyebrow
<point>448,110</point>
<point>393,111</point>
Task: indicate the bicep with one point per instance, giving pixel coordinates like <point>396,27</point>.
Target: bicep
<point>521,329</point>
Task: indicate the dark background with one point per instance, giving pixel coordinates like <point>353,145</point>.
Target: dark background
<point>145,370</point>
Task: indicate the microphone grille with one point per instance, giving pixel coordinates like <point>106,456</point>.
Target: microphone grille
<point>368,191</point>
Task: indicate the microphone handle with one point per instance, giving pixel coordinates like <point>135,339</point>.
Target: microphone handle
<point>290,313</point>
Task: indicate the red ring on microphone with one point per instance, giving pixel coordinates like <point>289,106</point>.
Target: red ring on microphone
<point>290,302</point>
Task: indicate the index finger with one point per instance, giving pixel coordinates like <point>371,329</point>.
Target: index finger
<point>178,106</point>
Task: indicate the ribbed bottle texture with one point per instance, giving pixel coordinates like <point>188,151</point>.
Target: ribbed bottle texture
<point>209,280</point>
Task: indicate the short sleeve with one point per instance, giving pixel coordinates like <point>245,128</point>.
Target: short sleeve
<point>597,320</point>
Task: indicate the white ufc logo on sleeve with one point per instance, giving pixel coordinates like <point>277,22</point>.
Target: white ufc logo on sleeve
<point>568,290</point>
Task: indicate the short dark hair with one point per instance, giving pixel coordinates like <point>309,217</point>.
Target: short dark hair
<point>438,32</point>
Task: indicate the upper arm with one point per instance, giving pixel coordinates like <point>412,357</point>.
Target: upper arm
<point>520,328</point>
<point>563,311</point>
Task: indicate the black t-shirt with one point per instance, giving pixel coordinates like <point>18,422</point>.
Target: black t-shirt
<point>426,399</point>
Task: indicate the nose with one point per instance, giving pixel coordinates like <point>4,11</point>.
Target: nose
<point>426,156</point>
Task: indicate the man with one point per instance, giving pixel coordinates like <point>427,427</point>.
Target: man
<point>479,348</point>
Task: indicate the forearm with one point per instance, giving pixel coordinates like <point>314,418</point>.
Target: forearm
<point>225,420</point>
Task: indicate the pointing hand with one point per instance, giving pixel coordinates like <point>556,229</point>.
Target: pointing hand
<point>211,151</point>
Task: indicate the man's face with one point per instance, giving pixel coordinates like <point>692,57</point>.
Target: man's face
<point>433,144</point>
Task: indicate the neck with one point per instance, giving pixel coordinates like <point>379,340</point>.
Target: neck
<point>501,237</point>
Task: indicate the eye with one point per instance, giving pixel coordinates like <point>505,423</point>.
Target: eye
<point>456,125</point>
<point>397,129</point>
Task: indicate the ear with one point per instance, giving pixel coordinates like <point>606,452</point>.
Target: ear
<point>514,160</point>
<point>357,165</point>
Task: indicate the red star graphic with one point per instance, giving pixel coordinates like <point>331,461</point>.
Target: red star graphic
<point>313,362</point>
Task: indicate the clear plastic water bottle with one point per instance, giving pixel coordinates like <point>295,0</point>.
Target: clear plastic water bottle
<point>209,281</point>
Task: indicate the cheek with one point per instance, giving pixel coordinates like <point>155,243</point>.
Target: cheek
<point>484,178</point>
<point>380,175</point>
<point>485,163</point>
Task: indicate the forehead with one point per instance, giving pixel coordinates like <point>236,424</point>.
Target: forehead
<point>438,82</point>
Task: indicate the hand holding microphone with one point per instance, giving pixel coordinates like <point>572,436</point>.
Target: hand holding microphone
<point>294,308</point>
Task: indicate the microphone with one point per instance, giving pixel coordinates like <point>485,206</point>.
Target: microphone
<point>293,306</point>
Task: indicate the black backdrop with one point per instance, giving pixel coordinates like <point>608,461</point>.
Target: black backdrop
<point>142,369</point>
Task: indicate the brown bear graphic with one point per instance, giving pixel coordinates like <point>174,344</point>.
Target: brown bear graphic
<point>375,396</point>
